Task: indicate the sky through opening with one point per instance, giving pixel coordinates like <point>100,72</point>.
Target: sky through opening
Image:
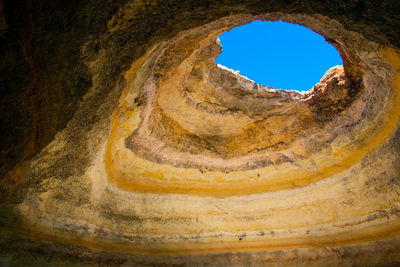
<point>278,54</point>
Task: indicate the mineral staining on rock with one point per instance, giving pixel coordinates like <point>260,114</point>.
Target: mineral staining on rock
<point>195,159</point>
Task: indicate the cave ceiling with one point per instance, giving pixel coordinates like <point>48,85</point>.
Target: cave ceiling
<point>124,143</point>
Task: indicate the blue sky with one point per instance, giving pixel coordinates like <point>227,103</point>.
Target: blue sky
<point>278,54</point>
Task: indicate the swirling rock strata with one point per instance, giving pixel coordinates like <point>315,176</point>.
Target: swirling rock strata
<point>187,162</point>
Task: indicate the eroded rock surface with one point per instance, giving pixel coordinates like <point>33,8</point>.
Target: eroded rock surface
<point>169,159</point>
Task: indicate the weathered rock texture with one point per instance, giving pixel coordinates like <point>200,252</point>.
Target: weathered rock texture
<point>124,143</point>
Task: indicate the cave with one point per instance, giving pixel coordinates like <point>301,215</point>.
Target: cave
<point>124,143</point>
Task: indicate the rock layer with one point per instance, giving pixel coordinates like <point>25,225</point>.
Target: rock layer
<point>181,161</point>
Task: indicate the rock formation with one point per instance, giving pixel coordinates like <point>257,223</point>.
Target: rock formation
<point>124,143</point>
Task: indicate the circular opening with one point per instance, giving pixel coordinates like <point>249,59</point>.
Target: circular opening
<point>278,54</point>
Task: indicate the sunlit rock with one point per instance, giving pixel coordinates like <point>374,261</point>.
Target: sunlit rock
<point>168,158</point>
